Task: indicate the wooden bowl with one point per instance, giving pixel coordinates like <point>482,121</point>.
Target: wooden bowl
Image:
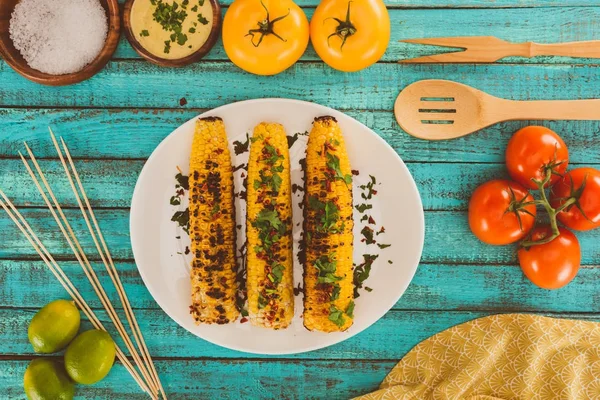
<point>12,56</point>
<point>180,62</point>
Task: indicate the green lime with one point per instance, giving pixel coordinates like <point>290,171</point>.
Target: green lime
<point>54,326</point>
<point>90,357</point>
<point>47,380</point>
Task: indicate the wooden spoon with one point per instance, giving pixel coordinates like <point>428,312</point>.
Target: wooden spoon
<point>439,110</point>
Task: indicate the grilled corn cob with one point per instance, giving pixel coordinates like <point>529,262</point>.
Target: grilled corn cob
<point>328,224</point>
<point>269,229</point>
<point>212,225</point>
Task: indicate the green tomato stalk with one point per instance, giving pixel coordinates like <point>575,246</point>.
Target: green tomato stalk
<point>552,212</point>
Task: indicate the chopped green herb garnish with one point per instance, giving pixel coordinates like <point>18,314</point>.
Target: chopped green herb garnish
<point>201,2</point>
<point>336,316</point>
<point>292,139</point>
<point>144,33</point>
<point>328,214</point>
<point>270,227</point>
<point>182,181</point>
<point>363,207</point>
<point>181,38</point>
<point>183,219</point>
<point>333,163</point>
<point>274,181</point>
<point>262,302</point>
<point>167,49</point>
<point>368,235</point>
<point>335,293</point>
<point>195,8</point>
<point>277,273</point>
<point>202,20</point>
<point>329,278</point>
<point>168,17</point>
<point>326,265</point>
<point>175,201</point>
<point>241,147</point>
<point>350,309</point>
<point>369,188</point>
<point>362,272</point>
<point>215,209</point>
<point>383,246</point>
<point>192,30</point>
<point>273,154</point>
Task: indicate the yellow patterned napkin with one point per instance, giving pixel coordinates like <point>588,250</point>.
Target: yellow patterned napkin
<point>512,356</point>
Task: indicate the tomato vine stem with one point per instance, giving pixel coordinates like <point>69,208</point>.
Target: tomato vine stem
<point>551,211</point>
<point>344,30</point>
<point>265,27</point>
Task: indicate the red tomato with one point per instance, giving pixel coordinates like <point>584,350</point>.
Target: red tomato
<point>554,264</point>
<point>496,212</point>
<point>589,199</point>
<point>531,151</point>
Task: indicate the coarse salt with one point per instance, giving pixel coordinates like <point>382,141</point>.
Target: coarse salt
<point>58,36</point>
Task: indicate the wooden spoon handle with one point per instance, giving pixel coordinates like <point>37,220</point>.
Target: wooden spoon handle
<point>553,110</point>
<point>586,49</point>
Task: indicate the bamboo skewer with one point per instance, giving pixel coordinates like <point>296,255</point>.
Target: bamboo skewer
<point>52,265</point>
<point>105,256</point>
<point>85,264</point>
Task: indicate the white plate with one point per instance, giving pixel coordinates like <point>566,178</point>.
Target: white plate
<point>397,206</point>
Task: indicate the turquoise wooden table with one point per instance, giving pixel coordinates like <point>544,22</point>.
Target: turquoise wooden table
<point>114,121</point>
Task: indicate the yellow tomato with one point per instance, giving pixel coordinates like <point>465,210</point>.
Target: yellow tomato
<point>265,37</point>
<point>350,35</point>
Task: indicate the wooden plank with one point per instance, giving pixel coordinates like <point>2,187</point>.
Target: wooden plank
<point>434,287</point>
<point>110,183</point>
<point>387,339</point>
<point>123,133</point>
<point>448,239</point>
<point>166,339</point>
<point>513,24</point>
<point>208,379</point>
<point>205,85</point>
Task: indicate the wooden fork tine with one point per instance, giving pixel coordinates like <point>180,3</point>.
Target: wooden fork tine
<point>463,42</point>
<point>476,49</point>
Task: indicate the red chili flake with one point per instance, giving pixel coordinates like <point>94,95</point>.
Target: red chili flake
<point>219,151</point>
<point>243,175</point>
<point>373,192</point>
<point>382,230</point>
<point>182,101</point>
<point>187,251</point>
<point>371,220</point>
<point>355,172</point>
<point>243,320</point>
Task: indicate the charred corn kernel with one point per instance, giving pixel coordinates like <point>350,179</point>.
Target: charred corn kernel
<point>328,224</point>
<point>212,225</point>
<point>269,228</point>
